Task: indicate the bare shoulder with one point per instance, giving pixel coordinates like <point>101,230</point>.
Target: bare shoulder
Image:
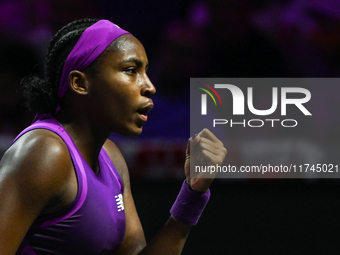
<point>35,177</point>
<point>37,149</point>
<point>38,160</point>
<point>118,160</point>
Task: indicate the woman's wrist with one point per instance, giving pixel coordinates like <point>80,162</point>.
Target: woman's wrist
<point>189,205</point>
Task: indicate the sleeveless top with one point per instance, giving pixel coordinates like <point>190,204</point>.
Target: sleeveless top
<point>94,223</point>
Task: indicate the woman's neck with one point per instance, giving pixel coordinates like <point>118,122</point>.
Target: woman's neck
<point>88,138</point>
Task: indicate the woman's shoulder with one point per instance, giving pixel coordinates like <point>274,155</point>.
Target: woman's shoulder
<point>39,146</point>
<point>39,160</point>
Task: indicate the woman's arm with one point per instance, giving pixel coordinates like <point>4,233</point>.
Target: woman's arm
<point>173,235</point>
<point>33,174</point>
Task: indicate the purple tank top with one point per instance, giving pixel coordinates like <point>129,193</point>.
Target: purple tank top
<point>94,223</point>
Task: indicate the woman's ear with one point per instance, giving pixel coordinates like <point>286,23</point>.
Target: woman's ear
<point>78,82</point>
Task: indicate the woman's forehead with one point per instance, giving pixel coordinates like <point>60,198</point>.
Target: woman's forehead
<point>128,42</point>
<point>128,46</point>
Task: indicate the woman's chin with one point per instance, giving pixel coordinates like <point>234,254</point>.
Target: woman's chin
<point>131,132</point>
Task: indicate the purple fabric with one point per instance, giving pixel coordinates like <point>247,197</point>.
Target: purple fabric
<point>94,40</point>
<point>25,249</point>
<point>53,125</point>
<point>189,205</point>
<point>94,223</point>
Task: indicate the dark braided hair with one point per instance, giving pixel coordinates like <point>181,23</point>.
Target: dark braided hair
<point>41,94</point>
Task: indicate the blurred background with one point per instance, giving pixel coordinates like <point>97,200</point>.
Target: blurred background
<point>202,38</point>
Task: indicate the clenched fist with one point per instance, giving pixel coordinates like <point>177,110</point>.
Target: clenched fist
<point>204,149</point>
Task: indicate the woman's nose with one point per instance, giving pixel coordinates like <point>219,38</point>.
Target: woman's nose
<point>148,89</point>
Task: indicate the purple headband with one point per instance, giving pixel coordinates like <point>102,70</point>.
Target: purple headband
<point>94,40</point>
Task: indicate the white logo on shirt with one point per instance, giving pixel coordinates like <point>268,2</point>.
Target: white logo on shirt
<point>120,204</point>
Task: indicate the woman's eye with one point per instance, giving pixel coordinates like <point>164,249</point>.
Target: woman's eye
<point>130,70</point>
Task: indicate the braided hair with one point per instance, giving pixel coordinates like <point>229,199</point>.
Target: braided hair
<point>41,94</point>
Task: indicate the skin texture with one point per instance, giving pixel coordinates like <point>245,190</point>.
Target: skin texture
<point>37,175</point>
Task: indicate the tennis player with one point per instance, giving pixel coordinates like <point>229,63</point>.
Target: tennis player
<point>64,187</point>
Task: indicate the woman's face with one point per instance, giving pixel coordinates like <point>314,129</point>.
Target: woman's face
<point>120,92</point>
